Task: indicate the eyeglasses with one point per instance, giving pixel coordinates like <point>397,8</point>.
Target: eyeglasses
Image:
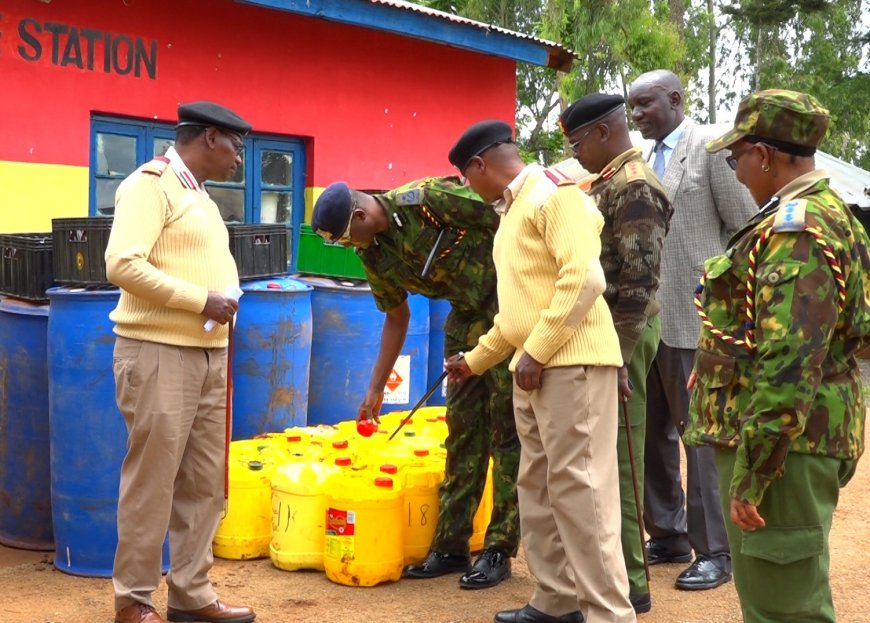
<point>236,140</point>
<point>734,157</point>
<point>576,144</point>
<point>344,239</point>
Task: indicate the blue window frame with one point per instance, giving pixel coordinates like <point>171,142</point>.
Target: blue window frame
<point>269,187</point>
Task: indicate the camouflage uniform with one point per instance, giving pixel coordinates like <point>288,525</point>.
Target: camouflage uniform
<point>636,214</point>
<point>786,413</point>
<point>479,411</point>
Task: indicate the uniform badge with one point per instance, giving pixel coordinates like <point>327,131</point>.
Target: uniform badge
<point>791,216</point>
<point>411,197</point>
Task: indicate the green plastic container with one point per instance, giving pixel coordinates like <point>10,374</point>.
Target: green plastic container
<point>317,257</point>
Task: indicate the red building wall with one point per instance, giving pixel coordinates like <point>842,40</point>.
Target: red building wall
<point>376,109</point>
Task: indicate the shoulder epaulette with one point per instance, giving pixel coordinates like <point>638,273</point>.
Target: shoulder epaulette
<point>634,172</point>
<point>791,216</point>
<point>156,167</point>
<point>411,197</point>
<point>558,178</point>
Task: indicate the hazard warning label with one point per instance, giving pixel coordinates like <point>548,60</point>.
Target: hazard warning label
<point>398,387</point>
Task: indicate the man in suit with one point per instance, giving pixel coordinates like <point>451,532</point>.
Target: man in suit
<point>709,205</point>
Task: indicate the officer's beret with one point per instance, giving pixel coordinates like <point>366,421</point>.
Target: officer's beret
<point>589,109</point>
<point>203,113</point>
<point>332,211</point>
<point>791,121</point>
<point>477,139</point>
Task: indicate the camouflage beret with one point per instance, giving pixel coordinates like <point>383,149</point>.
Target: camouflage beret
<point>589,109</point>
<point>332,211</point>
<point>477,139</point>
<point>209,114</point>
<point>794,122</point>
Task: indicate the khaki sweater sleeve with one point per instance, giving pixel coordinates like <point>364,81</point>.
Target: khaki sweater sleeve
<point>570,230</point>
<point>491,348</point>
<point>141,210</point>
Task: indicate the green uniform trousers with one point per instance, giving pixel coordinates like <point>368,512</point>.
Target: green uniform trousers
<point>638,367</point>
<point>781,570</point>
<point>480,424</point>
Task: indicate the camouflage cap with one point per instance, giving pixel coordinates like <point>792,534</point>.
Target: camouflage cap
<point>792,121</point>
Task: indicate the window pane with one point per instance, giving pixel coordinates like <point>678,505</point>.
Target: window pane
<point>277,168</point>
<point>231,202</point>
<point>105,196</point>
<point>161,145</point>
<point>276,207</point>
<point>115,154</point>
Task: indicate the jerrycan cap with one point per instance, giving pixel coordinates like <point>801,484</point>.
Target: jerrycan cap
<point>255,466</point>
<point>273,285</point>
<point>343,461</point>
<point>410,433</point>
<point>384,481</point>
<point>389,468</point>
<point>421,452</point>
<point>341,444</point>
<point>294,438</point>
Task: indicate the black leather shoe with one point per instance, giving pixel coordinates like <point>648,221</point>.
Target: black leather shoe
<point>437,564</point>
<point>489,569</point>
<point>701,575</point>
<point>657,554</point>
<point>527,614</point>
<point>641,602</point>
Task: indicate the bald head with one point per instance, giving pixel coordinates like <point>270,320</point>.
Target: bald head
<point>656,102</point>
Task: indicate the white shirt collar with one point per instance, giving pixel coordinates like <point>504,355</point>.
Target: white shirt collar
<point>184,174</point>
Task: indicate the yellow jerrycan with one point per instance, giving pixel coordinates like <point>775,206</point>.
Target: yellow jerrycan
<point>245,530</point>
<point>482,516</point>
<point>420,484</point>
<point>298,515</point>
<point>363,540</point>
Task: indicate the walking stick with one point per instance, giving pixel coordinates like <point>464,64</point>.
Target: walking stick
<point>419,404</point>
<point>634,485</point>
<point>229,418</point>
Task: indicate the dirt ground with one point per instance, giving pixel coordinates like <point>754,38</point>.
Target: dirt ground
<point>33,591</point>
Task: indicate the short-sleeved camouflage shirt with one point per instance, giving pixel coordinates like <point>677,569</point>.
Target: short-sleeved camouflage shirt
<point>419,213</point>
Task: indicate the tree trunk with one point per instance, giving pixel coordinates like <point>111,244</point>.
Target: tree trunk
<point>711,84</point>
<point>758,55</point>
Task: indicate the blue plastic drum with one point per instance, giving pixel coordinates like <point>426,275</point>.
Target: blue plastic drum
<point>438,310</point>
<point>25,476</point>
<point>344,346</point>
<point>88,435</point>
<point>271,356</point>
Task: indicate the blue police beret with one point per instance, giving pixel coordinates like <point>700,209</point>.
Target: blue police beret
<point>589,109</point>
<point>332,211</point>
<point>203,113</point>
<point>477,139</point>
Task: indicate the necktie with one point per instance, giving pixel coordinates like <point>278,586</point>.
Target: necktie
<point>659,162</point>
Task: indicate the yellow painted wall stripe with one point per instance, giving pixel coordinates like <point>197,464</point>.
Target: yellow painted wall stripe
<point>31,194</point>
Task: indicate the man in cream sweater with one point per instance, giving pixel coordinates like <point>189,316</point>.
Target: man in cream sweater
<point>555,323</point>
<point>169,253</point>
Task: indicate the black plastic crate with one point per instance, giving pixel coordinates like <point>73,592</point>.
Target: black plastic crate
<point>80,250</point>
<point>259,250</point>
<point>26,266</point>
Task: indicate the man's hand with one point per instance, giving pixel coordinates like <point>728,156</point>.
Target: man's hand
<point>745,515</point>
<point>370,408</point>
<point>220,308</point>
<point>625,389</point>
<point>457,369</point>
<point>690,384</point>
<point>528,373</point>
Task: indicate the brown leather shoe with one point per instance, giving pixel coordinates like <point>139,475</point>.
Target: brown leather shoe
<point>217,612</point>
<point>138,613</point>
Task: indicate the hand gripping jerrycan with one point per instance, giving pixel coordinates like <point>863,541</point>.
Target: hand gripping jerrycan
<point>298,515</point>
<point>363,540</point>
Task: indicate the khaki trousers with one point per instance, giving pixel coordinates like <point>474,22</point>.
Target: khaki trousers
<point>568,490</point>
<point>174,404</point>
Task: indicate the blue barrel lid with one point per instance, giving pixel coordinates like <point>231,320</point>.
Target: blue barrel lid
<point>278,284</point>
<point>328,283</point>
<point>24,308</point>
<point>65,292</point>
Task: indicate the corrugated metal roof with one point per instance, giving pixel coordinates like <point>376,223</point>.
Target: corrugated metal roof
<point>412,20</point>
<point>564,54</point>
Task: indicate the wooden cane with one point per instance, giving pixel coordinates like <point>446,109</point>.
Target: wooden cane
<point>229,418</point>
<point>634,484</point>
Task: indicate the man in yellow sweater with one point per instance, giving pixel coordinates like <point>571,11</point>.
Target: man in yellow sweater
<point>169,253</point>
<point>566,353</point>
